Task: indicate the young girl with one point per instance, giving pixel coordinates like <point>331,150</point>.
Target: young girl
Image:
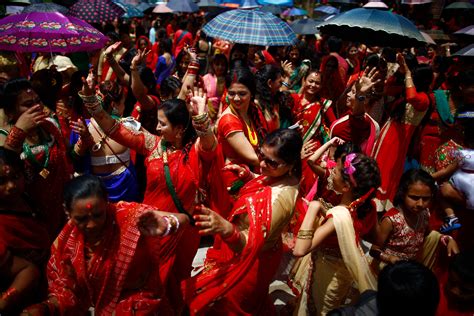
<point>404,229</point>
<point>334,235</point>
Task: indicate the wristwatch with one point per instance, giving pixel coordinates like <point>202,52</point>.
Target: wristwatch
<point>361,98</point>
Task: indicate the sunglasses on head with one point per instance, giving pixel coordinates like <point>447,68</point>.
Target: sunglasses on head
<point>269,162</point>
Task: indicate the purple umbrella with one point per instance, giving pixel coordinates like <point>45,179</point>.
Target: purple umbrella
<point>48,32</point>
<point>96,11</point>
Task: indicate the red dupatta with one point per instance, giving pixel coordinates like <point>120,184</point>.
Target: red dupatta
<point>77,284</point>
<point>225,270</point>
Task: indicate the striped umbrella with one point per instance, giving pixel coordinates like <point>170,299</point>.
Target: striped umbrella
<point>182,6</point>
<point>250,27</point>
<point>326,9</point>
<point>305,26</point>
<point>466,31</point>
<point>96,11</point>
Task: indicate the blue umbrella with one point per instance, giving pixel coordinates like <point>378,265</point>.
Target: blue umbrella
<point>466,51</point>
<point>208,4</point>
<point>273,9</point>
<point>45,7</point>
<point>295,12</point>
<point>145,6</point>
<point>305,26</point>
<point>327,9</point>
<point>182,6</point>
<point>251,27</point>
<point>130,10</point>
<point>374,27</point>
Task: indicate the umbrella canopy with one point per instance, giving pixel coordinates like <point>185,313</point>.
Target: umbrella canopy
<point>466,51</point>
<point>374,27</point>
<point>428,38</point>
<point>295,12</point>
<point>207,4</point>
<point>130,10</point>
<point>162,8</point>
<point>145,6</point>
<point>273,9</point>
<point>466,31</point>
<point>48,32</point>
<point>96,11</point>
<point>376,5</point>
<point>460,5</point>
<point>45,7</point>
<point>326,9</point>
<point>249,4</point>
<point>305,26</point>
<point>182,6</point>
<point>250,27</point>
<point>416,1</point>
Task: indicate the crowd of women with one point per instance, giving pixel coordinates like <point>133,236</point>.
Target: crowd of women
<point>327,159</point>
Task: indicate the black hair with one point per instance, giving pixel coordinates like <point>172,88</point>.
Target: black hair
<point>263,93</point>
<point>177,114</point>
<point>165,45</point>
<point>410,177</point>
<point>346,148</point>
<point>11,158</point>
<point>11,91</point>
<point>422,78</point>
<point>287,144</point>
<point>411,61</point>
<point>169,85</point>
<point>48,84</point>
<point>113,36</point>
<point>183,24</point>
<point>83,187</point>
<point>243,76</point>
<point>148,79</point>
<point>238,63</point>
<point>334,44</point>
<point>244,48</point>
<point>366,175</point>
<point>407,288</point>
<point>111,91</point>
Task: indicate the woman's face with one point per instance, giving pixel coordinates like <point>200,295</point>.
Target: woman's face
<point>275,85</point>
<point>219,68</point>
<point>270,164</point>
<point>165,129</point>
<point>353,52</point>
<point>239,96</point>
<point>417,198</point>
<point>294,56</point>
<point>184,63</point>
<point>351,97</point>
<point>312,84</point>
<point>89,215</point>
<point>12,183</point>
<point>338,181</point>
<point>142,44</point>
<point>258,62</point>
<point>25,100</point>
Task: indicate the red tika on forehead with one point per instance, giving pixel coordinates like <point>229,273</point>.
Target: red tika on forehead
<point>234,78</point>
<point>88,206</point>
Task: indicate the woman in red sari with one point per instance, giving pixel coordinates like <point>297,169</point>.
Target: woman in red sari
<point>175,162</point>
<point>391,148</point>
<point>108,257</point>
<point>248,247</point>
<point>41,145</point>
<point>315,115</point>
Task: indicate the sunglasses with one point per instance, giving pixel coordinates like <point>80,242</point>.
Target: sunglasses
<point>269,162</point>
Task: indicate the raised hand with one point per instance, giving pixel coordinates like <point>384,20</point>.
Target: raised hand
<point>88,84</point>
<point>367,81</point>
<point>402,63</point>
<point>80,128</point>
<point>198,101</point>
<point>31,118</point>
<point>287,67</point>
<point>308,148</point>
<point>139,58</point>
<point>112,49</point>
<point>151,224</point>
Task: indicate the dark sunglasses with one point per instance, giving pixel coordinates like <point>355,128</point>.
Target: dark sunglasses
<point>269,162</point>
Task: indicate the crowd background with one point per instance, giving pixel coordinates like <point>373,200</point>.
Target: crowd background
<point>343,169</point>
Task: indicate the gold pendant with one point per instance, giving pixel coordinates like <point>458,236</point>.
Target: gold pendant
<point>44,173</point>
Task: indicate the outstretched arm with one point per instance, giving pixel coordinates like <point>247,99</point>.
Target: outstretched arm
<point>138,88</point>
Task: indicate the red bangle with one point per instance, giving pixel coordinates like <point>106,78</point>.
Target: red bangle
<point>9,294</point>
<point>234,237</point>
<point>15,138</point>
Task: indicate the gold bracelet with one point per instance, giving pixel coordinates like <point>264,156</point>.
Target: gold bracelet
<point>305,234</point>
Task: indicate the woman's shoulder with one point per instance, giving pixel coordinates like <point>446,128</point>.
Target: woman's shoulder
<point>228,123</point>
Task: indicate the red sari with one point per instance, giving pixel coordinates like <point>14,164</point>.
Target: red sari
<point>391,148</point>
<point>237,283</point>
<point>122,275</point>
<point>187,175</point>
<point>49,202</point>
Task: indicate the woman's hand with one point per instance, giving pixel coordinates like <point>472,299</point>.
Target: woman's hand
<point>191,52</point>
<point>287,67</point>
<point>308,148</point>
<point>151,224</point>
<point>31,118</point>
<point>367,81</point>
<point>198,101</point>
<point>139,58</point>
<point>242,171</point>
<point>211,223</point>
<point>63,110</point>
<point>402,63</point>
<point>80,128</point>
<point>109,51</point>
<point>88,84</point>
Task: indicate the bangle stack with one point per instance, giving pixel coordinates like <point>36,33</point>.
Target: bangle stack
<point>234,237</point>
<point>384,257</point>
<point>93,103</point>
<point>193,67</point>
<point>202,124</point>
<point>15,138</point>
<point>172,224</point>
<point>286,84</point>
<point>305,234</point>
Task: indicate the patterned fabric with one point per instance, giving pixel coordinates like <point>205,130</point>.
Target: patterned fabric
<point>250,27</point>
<point>447,154</point>
<point>405,241</point>
<point>96,11</point>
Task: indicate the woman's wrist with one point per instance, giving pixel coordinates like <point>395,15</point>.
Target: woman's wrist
<point>15,138</point>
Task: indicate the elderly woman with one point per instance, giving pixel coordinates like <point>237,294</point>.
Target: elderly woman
<point>103,259</point>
